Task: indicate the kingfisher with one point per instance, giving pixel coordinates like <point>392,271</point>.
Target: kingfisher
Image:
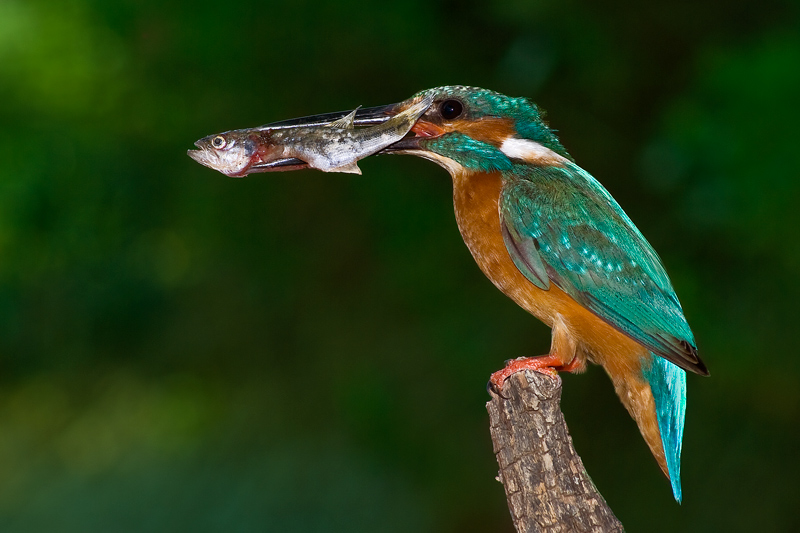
<point>551,237</point>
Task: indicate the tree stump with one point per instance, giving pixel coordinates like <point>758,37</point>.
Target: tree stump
<point>547,487</point>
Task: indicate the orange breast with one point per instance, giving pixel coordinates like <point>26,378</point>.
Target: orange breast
<point>476,206</point>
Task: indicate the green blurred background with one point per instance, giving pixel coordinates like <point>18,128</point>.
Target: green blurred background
<point>296,352</point>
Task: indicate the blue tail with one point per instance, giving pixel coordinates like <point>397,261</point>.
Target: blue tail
<point>668,383</point>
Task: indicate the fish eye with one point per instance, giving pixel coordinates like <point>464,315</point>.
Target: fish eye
<point>451,109</point>
<point>218,142</point>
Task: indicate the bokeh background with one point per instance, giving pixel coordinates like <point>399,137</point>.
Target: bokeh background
<point>180,351</point>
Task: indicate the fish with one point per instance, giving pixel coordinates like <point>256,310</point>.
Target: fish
<point>334,146</point>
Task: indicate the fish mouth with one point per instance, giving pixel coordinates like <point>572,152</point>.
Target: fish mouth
<point>202,156</point>
<point>210,158</point>
<point>207,158</point>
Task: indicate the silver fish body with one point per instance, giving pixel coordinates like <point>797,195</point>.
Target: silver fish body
<point>331,147</point>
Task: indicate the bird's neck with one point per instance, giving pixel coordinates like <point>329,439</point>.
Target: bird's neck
<point>475,199</point>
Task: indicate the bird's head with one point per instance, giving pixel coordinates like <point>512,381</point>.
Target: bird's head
<point>473,129</point>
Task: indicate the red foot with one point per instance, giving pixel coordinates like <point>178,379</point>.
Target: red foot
<point>545,364</point>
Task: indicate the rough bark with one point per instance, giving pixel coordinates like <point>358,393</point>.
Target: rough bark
<point>547,487</point>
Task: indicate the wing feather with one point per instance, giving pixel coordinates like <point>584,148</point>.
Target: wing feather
<point>561,226</point>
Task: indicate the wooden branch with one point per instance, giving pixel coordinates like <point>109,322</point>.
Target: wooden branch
<point>547,487</point>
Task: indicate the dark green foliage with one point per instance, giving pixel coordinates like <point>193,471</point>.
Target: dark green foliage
<point>181,351</point>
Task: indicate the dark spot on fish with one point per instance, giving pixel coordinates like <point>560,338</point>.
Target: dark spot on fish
<point>249,147</point>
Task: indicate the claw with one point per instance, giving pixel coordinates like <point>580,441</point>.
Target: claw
<point>546,364</point>
<point>492,388</point>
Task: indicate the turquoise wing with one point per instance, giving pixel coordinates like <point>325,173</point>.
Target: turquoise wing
<point>561,226</point>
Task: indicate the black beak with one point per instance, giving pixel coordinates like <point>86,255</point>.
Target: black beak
<point>364,117</point>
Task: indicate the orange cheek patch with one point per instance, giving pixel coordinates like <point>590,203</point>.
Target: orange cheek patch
<point>493,130</point>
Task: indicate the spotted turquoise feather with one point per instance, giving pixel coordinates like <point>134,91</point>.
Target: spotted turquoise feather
<point>593,252</point>
<point>472,154</point>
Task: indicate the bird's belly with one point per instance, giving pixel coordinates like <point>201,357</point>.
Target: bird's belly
<point>475,198</point>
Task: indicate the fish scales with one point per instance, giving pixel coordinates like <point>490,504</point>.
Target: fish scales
<point>332,147</point>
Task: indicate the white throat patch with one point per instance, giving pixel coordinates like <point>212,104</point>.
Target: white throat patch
<point>530,152</point>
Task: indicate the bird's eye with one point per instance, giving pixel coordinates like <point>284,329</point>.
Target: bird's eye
<point>218,141</point>
<point>451,109</point>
